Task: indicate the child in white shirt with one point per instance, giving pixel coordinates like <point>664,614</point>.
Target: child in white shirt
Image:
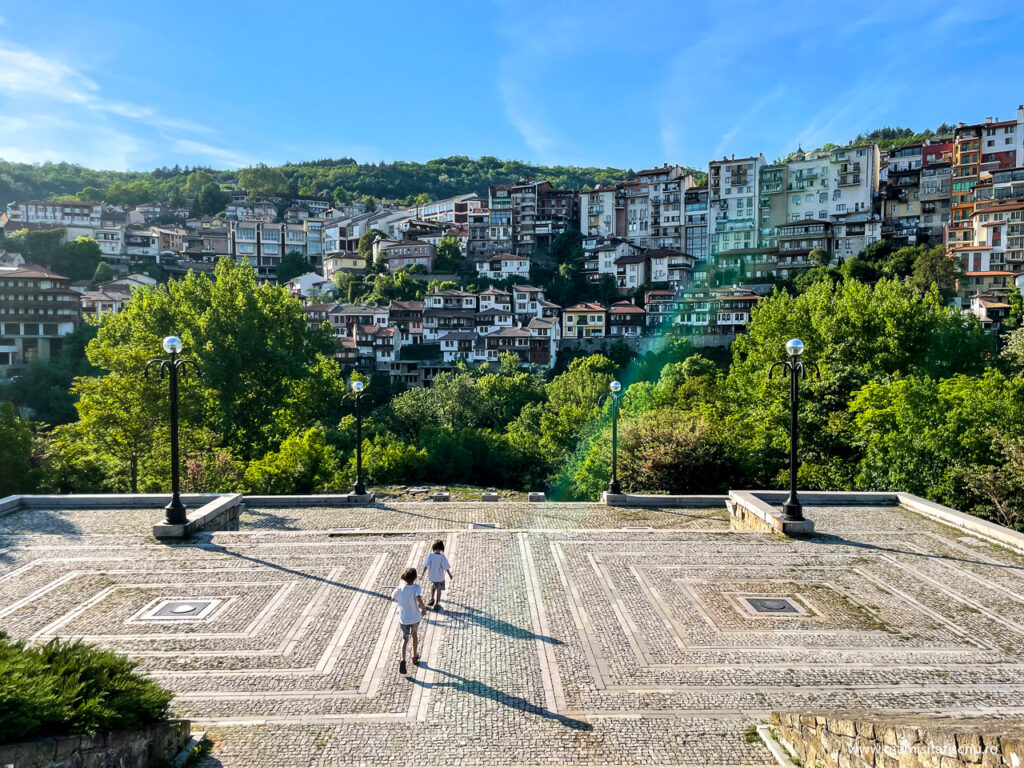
<point>410,610</point>
<point>436,566</point>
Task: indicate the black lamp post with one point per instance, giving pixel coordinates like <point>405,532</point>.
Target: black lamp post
<point>359,488</point>
<point>796,370</point>
<point>175,512</point>
<point>615,387</point>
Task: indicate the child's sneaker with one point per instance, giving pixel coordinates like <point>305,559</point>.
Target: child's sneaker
<point>437,607</point>
<point>402,668</point>
<point>430,604</point>
<point>416,660</point>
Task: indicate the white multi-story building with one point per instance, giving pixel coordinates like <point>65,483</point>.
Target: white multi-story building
<point>502,266</point>
<point>598,213</point>
<point>733,219</point>
<point>63,213</point>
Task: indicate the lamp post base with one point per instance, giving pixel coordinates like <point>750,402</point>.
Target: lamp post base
<point>792,511</point>
<point>175,512</point>
<point>359,489</point>
<point>614,487</point>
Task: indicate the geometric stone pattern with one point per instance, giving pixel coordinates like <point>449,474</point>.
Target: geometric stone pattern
<point>566,637</point>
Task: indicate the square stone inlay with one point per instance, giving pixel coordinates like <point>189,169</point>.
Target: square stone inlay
<point>180,610</point>
<point>772,606</point>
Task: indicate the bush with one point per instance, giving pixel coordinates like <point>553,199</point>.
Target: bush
<point>61,688</point>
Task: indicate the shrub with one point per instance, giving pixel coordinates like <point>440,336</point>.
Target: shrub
<point>61,688</point>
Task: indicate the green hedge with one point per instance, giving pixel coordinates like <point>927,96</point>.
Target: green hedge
<point>61,688</point>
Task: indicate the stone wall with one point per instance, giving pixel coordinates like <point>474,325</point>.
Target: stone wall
<point>872,739</point>
<point>153,745</point>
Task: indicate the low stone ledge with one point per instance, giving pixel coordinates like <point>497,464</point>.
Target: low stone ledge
<point>867,738</point>
<point>221,514</point>
<point>969,523</point>
<point>154,744</point>
<point>661,500</point>
<point>310,500</point>
<point>537,496</point>
<point>441,496</point>
<point>488,496</point>
<point>749,512</point>
<point>100,501</point>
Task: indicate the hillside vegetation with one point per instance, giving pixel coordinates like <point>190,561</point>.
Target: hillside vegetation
<point>343,179</point>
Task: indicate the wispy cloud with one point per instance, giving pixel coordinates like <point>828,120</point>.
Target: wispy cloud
<point>199,149</point>
<point>80,123</point>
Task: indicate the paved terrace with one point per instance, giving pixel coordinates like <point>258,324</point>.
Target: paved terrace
<point>576,633</point>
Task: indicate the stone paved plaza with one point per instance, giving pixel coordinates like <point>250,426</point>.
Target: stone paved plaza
<point>575,633</point>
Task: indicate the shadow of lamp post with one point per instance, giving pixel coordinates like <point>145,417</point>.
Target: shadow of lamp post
<point>359,488</point>
<point>175,512</point>
<point>795,369</point>
<point>615,387</point>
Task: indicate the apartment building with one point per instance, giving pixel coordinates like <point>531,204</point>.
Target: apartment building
<point>733,218</point>
<point>65,213</point>
<point>499,203</point>
<point>584,321</point>
<point>37,309</point>
<point>599,216</point>
<point>503,266</point>
<point>980,148</point>
<point>796,242</point>
<point>695,223</point>
<point>626,319</point>
<point>407,316</point>
<point>409,253</point>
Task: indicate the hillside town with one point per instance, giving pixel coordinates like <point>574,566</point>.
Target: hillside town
<point>686,254</point>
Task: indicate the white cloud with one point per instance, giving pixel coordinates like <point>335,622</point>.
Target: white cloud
<point>40,138</point>
<point>63,115</point>
<point>194,148</point>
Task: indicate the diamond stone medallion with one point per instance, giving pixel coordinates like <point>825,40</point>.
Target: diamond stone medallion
<point>180,610</point>
<point>771,606</point>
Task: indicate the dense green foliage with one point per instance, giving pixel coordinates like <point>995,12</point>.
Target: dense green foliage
<point>64,688</point>
<point>888,137</point>
<point>343,180</point>
<point>77,260</point>
<point>912,395</point>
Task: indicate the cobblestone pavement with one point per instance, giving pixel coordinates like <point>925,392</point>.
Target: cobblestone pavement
<point>573,634</point>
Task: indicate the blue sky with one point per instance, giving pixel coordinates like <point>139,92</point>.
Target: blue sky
<point>135,85</point>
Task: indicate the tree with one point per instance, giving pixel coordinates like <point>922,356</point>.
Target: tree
<point>819,257</point>
<point>264,373</point>
<point>79,259</point>
<point>365,248</point>
<point>934,267</point>
<point>15,452</point>
<point>196,181</point>
<point>449,256</point>
<point>293,264</point>
<point>1013,351</point>
<point>90,193</point>
<point>262,181</point>
<point>104,273</point>
<point>930,437</point>
<point>305,463</point>
<point>211,200</point>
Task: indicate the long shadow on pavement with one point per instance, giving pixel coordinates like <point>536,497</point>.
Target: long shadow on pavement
<point>477,688</point>
<point>266,563</point>
<point>834,540</point>
<point>471,615</point>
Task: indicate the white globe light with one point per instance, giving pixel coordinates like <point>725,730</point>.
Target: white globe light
<point>615,386</point>
<point>357,386</point>
<point>173,345</point>
<point>795,347</point>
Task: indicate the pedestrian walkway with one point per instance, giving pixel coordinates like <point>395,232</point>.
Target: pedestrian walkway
<point>574,634</point>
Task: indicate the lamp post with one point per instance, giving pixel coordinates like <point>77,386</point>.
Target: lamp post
<point>796,369</point>
<point>175,512</point>
<point>359,489</point>
<point>614,389</point>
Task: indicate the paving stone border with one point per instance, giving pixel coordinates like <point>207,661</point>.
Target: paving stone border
<point>154,744</point>
<point>871,739</point>
<point>662,500</point>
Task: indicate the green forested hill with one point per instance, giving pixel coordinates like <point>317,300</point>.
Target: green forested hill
<point>343,179</point>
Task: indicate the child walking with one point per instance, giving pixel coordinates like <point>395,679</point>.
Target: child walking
<point>436,566</point>
<point>410,610</point>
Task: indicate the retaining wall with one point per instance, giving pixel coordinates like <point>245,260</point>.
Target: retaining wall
<point>152,745</point>
<point>868,739</point>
